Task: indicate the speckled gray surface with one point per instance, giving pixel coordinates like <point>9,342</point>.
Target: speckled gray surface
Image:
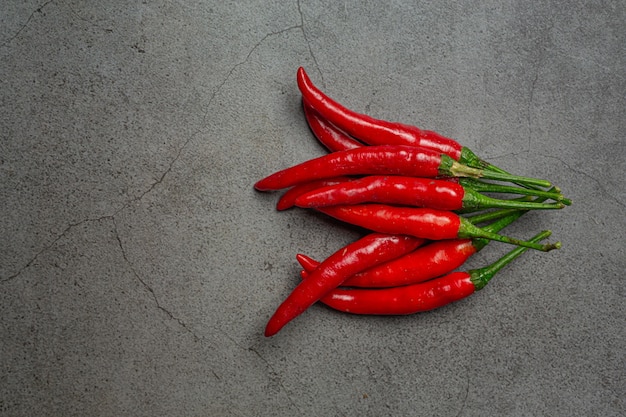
<point>138,266</point>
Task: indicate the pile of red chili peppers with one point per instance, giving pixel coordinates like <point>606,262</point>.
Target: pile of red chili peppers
<point>425,200</point>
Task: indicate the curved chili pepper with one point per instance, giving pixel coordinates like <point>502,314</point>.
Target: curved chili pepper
<point>380,160</point>
<point>426,262</point>
<point>409,191</point>
<point>380,132</point>
<point>288,199</point>
<point>333,138</point>
<point>419,222</point>
<point>424,296</point>
<point>353,258</point>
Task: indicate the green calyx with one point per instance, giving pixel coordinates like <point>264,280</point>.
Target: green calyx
<point>470,159</point>
<point>450,167</point>
<point>480,277</point>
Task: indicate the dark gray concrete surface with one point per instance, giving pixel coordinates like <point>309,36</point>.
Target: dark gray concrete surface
<point>138,266</point>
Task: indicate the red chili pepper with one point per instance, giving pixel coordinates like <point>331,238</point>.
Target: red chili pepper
<point>353,258</point>
<point>380,132</point>
<point>380,160</point>
<point>419,297</point>
<point>419,222</point>
<point>409,191</point>
<point>333,138</point>
<point>288,199</point>
<point>429,261</point>
<point>426,262</point>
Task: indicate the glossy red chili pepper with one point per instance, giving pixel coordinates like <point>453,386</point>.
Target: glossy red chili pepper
<point>409,191</point>
<point>330,136</point>
<point>426,262</point>
<point>288,199</point>
<point>429,261</point>
<point>379,160</point>
<point>400,190</point>
<point>380,132</point>
<point>419,222</point>
<point>353,258</point>
<point>419,297</point>
<point>387,159</point>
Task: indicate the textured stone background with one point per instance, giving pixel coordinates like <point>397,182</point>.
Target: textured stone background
<point>138,266</point>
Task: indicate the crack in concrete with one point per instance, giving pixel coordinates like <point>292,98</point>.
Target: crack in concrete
<point>530,106</point>
<point>124,255</point>
<point>161,178</point>
<point>148,287</point>
<point>96,25</point>
<point>50,245</point>
<point>239,64</point>
<point>273,371</point>
<point>30,17</point>
<point>541,42</point>
<point>172,162</point>
<point>157,182</point>
<point>152,186</point>
<point>586,174</point>
<point>275,374</point>
<point>110,216</point>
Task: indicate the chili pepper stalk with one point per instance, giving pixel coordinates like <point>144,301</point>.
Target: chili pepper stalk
<point>422,296</point>
<point>420,222</point>
<point>477,185</point>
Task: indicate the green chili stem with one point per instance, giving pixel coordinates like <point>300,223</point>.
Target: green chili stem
<point>495,227</point>
<point>477,185</point>
<point>480,277</point>
<point>475,199</point>
<point>468,230</point>
<point>490,215</point>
